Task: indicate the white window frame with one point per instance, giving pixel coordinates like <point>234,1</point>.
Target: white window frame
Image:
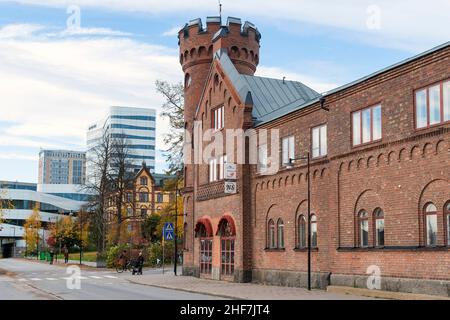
<point>222,161</point>
<point>443,105</point>
<point>219,118</point>
<point>263,158</point>
<point>322,145</point>
<point>213,170</point>
<point>358,126</point>
<point>288,150</point>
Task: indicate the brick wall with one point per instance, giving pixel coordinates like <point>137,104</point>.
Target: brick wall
<point>399,174</point>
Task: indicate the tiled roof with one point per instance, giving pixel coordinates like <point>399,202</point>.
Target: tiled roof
<point>275,98</point>
<point>272,98</point>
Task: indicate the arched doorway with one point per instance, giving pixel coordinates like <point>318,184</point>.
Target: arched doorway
<point>227,233</point>
<point>203,231</point>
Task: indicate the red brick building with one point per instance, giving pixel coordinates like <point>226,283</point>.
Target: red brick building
<point>380,178</point>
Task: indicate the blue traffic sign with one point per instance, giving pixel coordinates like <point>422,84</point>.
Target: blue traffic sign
<point>168,231</point>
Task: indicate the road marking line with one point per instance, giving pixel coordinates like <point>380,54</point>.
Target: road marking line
<point>23,280</point>
<point>35,279</point>
<point>110,277</point>
<point>95,277</point>
<point>51,279</point>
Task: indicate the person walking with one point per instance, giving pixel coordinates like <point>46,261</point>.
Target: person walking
<point>66,255</point>
<point>52,255</point>
<point>139,264</point>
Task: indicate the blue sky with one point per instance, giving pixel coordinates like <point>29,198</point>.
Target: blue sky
<point>54,83</point>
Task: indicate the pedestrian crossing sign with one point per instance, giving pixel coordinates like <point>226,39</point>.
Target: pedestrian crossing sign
<point>168,231</point>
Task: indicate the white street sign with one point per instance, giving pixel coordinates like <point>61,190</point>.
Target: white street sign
<point>230,187</point>
<point>230,171</point>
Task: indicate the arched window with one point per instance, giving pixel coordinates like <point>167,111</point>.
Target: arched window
<point>431,224</point>
<point>379,227</point>
<point>271,242</point>
<point>227,246</point>
<point>447,217</point>
<point>280,233</point>
<point>216,82</point>
<point>301,240</point>
<point>314,231</point>
<point>187,80</point>
<point>205,250</point>
<point>363,229</point>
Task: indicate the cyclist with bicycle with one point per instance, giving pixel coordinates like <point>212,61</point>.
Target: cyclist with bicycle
<point>123,259</point>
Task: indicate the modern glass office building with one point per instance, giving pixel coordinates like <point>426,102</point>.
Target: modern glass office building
<point>136,125</point>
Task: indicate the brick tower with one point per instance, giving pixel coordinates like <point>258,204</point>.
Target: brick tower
<point>198,45</point>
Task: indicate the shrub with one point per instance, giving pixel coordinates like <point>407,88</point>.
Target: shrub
<point>155,251</point>
<point>113,254</point>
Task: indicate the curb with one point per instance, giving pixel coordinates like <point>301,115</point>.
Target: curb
<point>186,290</point>
<point>390,295</point>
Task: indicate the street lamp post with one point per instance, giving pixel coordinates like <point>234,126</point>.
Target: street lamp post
<point>14,243</point>
<point>177,191</point>
<point>81,236</point>
<point>176,228</point>
<point>290,165</point>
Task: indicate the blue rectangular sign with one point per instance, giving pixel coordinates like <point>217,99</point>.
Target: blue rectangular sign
<point>168,231</point>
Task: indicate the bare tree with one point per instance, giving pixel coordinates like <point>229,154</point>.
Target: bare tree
<point>173,109</point>
<point>99,187</point>
<point>122,181</point>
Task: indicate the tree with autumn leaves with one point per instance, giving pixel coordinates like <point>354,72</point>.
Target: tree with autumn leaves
<point>67,231</point>
<point>32,226</point>
<point>167,214</point>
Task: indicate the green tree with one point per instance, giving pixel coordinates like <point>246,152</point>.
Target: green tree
<point>5,204</point>
<point>32,226</point>
<point>150,227</point>
<point>173,109</point>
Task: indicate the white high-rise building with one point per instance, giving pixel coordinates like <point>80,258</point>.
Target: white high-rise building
<point>136,125</point>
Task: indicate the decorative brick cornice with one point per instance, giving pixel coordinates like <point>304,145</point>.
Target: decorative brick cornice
<point>213,191</point>
<point>387,145</point>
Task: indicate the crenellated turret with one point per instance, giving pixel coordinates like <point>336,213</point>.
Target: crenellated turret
<point>198,43</point>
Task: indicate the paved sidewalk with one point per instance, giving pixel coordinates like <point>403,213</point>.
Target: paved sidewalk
<point>61,262</point>
<point>237,291</point>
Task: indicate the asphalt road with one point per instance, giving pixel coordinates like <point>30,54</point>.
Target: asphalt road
<point>27,280</point>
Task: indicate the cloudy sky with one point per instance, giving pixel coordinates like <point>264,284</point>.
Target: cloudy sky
<point>55,80</point>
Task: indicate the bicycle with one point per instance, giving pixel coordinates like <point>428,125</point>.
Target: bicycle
<point>120,268</point>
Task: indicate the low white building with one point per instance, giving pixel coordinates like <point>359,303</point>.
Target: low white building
<point>52,201</point>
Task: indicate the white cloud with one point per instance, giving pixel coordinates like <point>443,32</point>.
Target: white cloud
<point>172,32</point>
<point>53,88</point>
<point>19,156</point>
<point>279,73</point>
<point>15,31</point>
<point>406,24</point>
<point>92,32</point>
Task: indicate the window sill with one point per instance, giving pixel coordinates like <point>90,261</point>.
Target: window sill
<point>306,249</point>
<point>319,158</point>
<point>394,248</point>
<point>275,250</point>
<point>433,126</point>
<point>366,144</point>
